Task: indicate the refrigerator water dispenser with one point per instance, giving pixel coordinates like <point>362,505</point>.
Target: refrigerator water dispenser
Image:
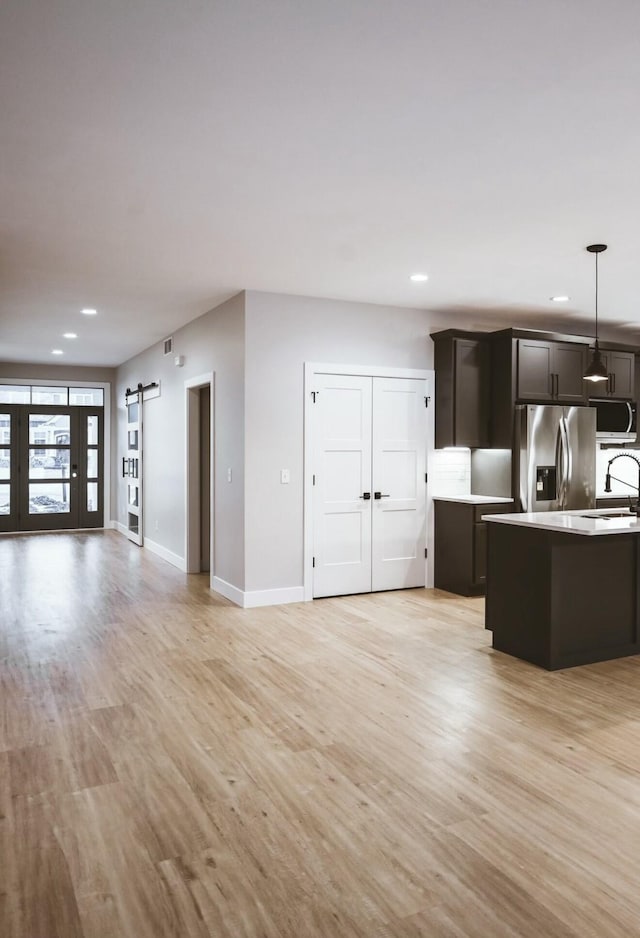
<point>546,483</point>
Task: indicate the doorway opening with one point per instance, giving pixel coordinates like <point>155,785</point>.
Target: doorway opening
<point>205,479</point>
<point>199,476</point>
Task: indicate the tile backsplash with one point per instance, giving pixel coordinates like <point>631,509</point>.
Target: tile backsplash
<point>491,472</point>
<point>450,472</point>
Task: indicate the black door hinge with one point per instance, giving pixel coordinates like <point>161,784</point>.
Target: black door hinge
<point>426,401</point>
<point>313,395</point>
<point>426,477</point>
<point>425,551</point>
<point>314,561</point>
<point>314,478</point>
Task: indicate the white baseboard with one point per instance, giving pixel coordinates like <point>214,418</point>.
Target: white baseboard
<point>277,597</point>
<point>174,559</point>
<point>252,598</point>
<point>228,591</point>
<point>167,555</point>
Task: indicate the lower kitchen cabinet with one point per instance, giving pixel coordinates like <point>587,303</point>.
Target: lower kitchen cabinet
<point>460,536</point>
<point>624,501</point>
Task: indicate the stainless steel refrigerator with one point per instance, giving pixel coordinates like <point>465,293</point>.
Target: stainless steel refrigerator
<point>555,457</point>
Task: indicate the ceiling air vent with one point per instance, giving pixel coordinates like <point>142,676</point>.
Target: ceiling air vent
<point>168,345</point>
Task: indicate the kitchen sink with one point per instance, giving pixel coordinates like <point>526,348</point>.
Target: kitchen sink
<point>609,515</point>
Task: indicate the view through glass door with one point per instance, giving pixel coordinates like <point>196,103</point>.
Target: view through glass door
<point>51,465</point>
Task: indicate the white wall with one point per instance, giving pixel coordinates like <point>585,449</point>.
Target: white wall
<point>282,333</point>
<point>212,343</point>
<point>257,345</point>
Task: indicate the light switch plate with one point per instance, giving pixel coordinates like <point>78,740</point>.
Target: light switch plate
<point>285,476</point>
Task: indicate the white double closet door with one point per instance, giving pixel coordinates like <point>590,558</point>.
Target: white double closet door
<point>369,494</point>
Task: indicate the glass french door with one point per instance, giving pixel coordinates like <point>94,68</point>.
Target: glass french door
<point>51,461</point>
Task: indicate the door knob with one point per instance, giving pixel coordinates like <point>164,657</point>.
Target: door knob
<point>74,471</point>
<point>366,496</point>
<point>378,495</point>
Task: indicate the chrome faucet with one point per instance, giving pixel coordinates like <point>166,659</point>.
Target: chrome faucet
<point>609,477</point>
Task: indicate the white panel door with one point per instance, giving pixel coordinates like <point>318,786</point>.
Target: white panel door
<point>342,470</point>
<point>399,530</point>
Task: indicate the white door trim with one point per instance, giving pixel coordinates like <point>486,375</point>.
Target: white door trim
<point>311,369</point>
<point>192,473</point>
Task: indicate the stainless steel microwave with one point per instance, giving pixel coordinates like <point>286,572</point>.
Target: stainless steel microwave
<point>615,420</point>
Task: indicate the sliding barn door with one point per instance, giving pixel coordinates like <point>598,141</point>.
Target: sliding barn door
<point>132,468</point>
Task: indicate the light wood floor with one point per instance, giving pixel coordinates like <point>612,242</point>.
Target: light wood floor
<point>367,767</point>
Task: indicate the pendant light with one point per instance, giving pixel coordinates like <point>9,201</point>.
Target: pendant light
<point>596,370</point>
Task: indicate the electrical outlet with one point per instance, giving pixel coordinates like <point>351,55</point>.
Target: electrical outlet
<point>229,475</point>
<point>285,477</point>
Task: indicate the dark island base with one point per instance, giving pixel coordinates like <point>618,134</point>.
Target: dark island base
<point>560,600</point>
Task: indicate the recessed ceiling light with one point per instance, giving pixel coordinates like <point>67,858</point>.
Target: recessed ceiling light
<point>89,312</point>
<point>560,299</point>
<point>70,335</point>
<point>419,278</point>
<point>56,351</point>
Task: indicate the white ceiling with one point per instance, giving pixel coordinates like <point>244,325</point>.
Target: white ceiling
<point>157,156</point>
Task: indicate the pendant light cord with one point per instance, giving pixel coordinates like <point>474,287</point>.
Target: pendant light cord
<point>596,370</point>
<point>596,300</point>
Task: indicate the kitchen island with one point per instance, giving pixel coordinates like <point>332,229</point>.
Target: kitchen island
<point>562,586</point>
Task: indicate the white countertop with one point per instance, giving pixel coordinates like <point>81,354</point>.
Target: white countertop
<point>474,499</point>
<point>572,522</point>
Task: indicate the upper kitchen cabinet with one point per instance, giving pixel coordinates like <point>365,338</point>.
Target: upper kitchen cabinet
<point>462,388</point>
<point>620,367</point>
<point>533,367</point>
<point>551,371</point>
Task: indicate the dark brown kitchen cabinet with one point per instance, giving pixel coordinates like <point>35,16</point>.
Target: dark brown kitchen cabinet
<point>460,535</point>
<point>621,370</point>
<point>551,371</point>
<point>462,389</point>
<point>533,367</point>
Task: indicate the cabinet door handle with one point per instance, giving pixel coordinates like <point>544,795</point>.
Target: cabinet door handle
<point>366,496</point>
<point>378,495</point>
